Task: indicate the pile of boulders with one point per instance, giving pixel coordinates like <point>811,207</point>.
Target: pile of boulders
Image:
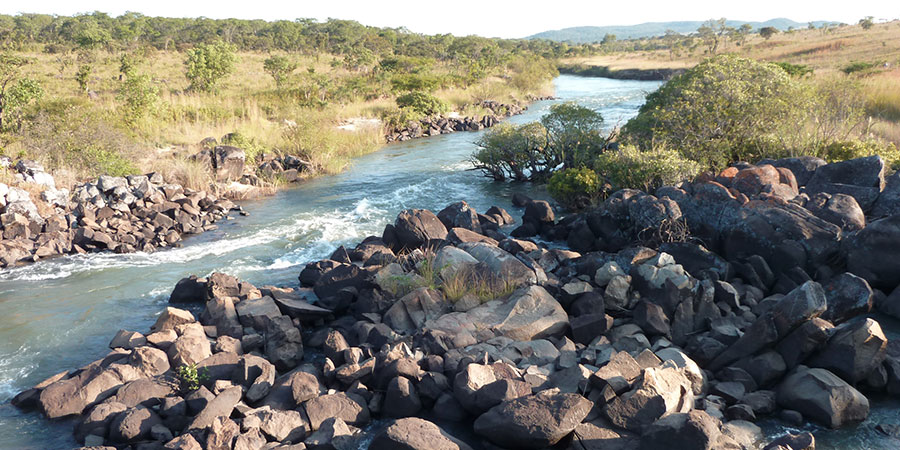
<point>446,322</point>
<point>121,214</point>
<point>433,126</point>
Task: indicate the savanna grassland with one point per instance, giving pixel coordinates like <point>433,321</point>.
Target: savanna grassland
<point>93,94</point>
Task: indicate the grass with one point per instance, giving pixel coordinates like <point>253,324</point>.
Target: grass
<point>247,102</point>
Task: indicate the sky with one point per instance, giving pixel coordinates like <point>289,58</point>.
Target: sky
<point>491,18</point>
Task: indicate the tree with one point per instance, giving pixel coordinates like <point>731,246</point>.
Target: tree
<point>83,76</point>
<point>724,109</point>
<point>573,132</point>
<point>138,95</point>
<point>608,39</point>
<point>280,68</point>
<point>422,102</point>
<point>866,22</point>
<point>767,32</point>
<point>207,64</point>
<point>713,33</point>
<point>16,91</point>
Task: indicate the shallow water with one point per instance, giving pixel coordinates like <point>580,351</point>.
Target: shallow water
<point>60,314</point>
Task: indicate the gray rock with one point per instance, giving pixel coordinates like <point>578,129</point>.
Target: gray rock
<point>661,391</point>
<point>822,396</point>
<point>133,425</point>
<point>847,296</point>
<point>694,430</point>
<point>533,422</point>
<point>871,253</point>
<point>415,434</point>
<point>853,351</point>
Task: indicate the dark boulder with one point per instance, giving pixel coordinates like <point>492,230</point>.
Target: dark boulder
<point>847,296</point>
<point>694,430</point>
<point>822,396</point>
<point>415,227</point>
<point>872,253</point>
<point>853,351</point>
<point>415,434</point>
<point>533,422</point>
<point>839,209</point>
<point>460,215</point>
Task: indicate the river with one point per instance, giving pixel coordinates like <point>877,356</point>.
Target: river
<point>60,314</point>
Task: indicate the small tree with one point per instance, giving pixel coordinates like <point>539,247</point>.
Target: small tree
<point>128,63</point>
<point>422,102</point>
<point>866,22</point>
<point>280,68</point>
<point>767,32</point>
<point>574,133</point>
<point>138,95</point>
<point>15,91</point>
<point>207,64</point>
<point>83,76</point>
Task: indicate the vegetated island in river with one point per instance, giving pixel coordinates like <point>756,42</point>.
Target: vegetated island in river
<point>462,332</point>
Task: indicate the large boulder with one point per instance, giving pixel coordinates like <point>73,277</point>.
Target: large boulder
<point>533,422</point>
<point>803,167</point>
<point>853,351</point>
<point>415,227</point>
<point>871,253</point>
<point>839,209</point>
<point>229,163</point>
<point>861,178</point>
<point>888,203</point>
<point>220,406</point>
<point>847,295</point>
<point>412,433</point>
<point>410,312</point>
<point>460,215</point>
<point>133,425</point>
<point>530,313</point>
<point>661,391</point>
<point>693,430</point>
<point>350,408</point>
<point>506,267</point>
<point>822,396</point>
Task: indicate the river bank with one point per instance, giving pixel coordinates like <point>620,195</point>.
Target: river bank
<point>92,296</point>
<point>458,317</point>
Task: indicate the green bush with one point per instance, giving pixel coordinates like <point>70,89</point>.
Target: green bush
<point>575,188</point>
<point>207,64</point>
<point>138,96</point>
<point>631,168</point>
<point>190,378</point>
<point>574,132</point>
<point>794,70</point>
<point>280,68</point>
<point>844,150</point>
<point>251,147</point>
<point>860,66</point>
<point>422,102</point>
<point>725,109</point>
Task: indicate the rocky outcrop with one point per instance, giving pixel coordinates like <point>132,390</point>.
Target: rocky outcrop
<point>433,126</point>
<point>630,342</point>
<point>120,214</point>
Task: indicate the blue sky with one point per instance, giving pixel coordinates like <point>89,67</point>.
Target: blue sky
<point>494,18</point>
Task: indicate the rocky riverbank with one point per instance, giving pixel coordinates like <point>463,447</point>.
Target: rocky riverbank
<point>672,320</point>
<point>433,126</point>
<point>661,74</point>
<point>120,214</point>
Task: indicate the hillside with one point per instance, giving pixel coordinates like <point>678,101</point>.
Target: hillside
<point>588,34</point>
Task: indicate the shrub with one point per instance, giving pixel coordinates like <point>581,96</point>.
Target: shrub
<point>574,133</point>
<point>190,378</point>
<point>844,150</point>
<point>860,66</point>
<point>280,68</point>
<point>516,152</point>
<point>724,109</point>
<point>422,102</point>
<point>138,95</point>
<point>794,70</point>
<point>414,82</point>
<point>207,64</point>
<point>631,168</point>
<point>575,188</point>
<point>82,76</point>
<point>251,147</point>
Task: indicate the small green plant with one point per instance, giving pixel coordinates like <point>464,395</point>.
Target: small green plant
<point>190,378</point>
<point>575,188</point>
<point>139,97</point>
<point>844,150</point>
<point>82,76</point>
<point>485,286</point>
<point>253,150</point>
<point>207,64</point>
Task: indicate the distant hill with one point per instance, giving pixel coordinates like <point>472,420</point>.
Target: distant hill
<point>581,35</point>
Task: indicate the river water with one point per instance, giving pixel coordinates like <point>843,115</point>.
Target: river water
<point>60,314</point>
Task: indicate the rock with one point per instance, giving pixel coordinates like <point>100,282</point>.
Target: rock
<point>451,260</point>
<point>822,396</point>
<point>804,341</point>
<point>348,407</point>
<point>415,227</point>
<point>502,264</point>
<point>284,345</point>
<point>839,209</point>
<point>228,162</point>
<point>800,441</point>
<point>888,203</point>
<point>870,253</point>
<point>97,421</point>
<point>144,392</point>
<point>183,442</point>
<point>172,317</point>
<point>460,215</point>
<point>133,425</point>
<point>189,290</point>
<point>534,421</point>
<point>188,350</point>
<point>539,213</point>
<point>530,313</point>
<point>761,402</point>
<point>127,340</point>
<point>847,296</point>
<point>257,312</point>
<point>220,406</point>
<point>410,313</point>
<point>853,351</point>
<point>694,430</point>
<point>401,399</point>
<point>415,434</point>
<point>661,391</point>
<point>802,167</point>
<point>334,434</point>
<point>282,426</point>
<point>651,318</point>
<point>304,386</point>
